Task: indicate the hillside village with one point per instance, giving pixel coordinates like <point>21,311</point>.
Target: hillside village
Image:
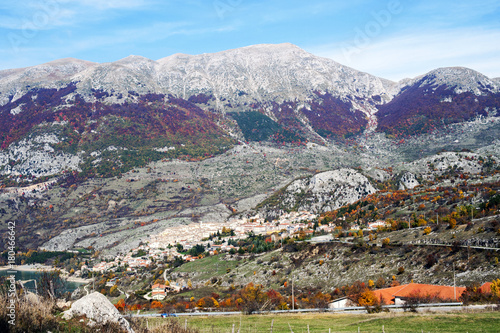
<point>166,244</point>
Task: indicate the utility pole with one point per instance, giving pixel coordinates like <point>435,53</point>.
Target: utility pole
<point>454,284</point>
<point>293,297</point>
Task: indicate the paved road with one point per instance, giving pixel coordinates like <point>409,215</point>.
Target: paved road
<point>393,308</point>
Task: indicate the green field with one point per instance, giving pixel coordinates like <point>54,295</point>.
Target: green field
<point>208,267</point>
<point>384,322</point>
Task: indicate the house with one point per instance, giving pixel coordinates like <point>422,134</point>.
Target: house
<point>111,282</point>
<point>322,239</point>
<point>343,302</point>
<point>260,229</point>
<point>275,237</point>
<point>398,295</point>
<point>377,224</point>
<point>158,291</point>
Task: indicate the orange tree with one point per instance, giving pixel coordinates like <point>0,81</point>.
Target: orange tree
<point>253,297</point>
<point>367,298</point>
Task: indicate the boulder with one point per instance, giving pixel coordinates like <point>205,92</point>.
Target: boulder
<point>408,181</point>
<point>97,308</point>
<point>63,304</point>
<point>111,205</point>
<point>78,293</point>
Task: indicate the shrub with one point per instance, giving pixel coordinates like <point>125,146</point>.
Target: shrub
<point>430,261</point>
<point>367,298</point>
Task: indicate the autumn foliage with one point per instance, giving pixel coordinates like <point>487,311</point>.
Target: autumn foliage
<point>155,120</point>
<point>416,111</point>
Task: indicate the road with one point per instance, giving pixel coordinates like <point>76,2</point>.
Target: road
<point>446,307</point>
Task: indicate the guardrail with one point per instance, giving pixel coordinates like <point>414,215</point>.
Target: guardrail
<point>345,309</point>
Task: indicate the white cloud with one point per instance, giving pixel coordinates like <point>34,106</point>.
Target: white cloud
<point>44,15</point>
<point>412,54</point>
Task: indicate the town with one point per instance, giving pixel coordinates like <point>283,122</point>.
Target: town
<point>167,244</point>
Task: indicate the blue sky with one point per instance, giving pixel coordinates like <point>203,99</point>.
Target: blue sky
<point>391,38</point>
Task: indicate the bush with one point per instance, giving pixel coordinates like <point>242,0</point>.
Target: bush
<point>430,261</point>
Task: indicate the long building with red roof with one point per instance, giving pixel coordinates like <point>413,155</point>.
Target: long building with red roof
<point>397,295</point>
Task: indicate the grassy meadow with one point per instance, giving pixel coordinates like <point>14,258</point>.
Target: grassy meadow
<point>324,322</point>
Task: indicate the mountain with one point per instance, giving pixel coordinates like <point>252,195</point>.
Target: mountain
<point>14,83</point>
<point>304,97</point>
<point>277,93</point>
<point>102,154</point>
<point>66,113</point>
<point>242,76</point>
<point>265,78</point>
<point>442,96</point>
<point>258,73</point>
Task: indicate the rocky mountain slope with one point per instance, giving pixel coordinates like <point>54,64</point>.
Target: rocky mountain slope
<point>442,96</point>
<point>324,191</point>
<point>303,97</point>
<point>102,154</point>
<point>258,73</point>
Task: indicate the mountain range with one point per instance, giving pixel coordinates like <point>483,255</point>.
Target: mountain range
<point>231,128</point>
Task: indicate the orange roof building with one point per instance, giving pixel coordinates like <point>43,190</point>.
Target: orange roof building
<point>396,295</point>
<point>486,288</point>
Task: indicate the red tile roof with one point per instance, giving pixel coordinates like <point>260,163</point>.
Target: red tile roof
<point>158,286</point>
<point>486,288</point>
<point>417,289</point>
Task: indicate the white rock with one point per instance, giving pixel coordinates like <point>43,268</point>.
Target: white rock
<point>327,190</point>
<point>111,205</point>
<point>408,181</point>
<point>36,157</point>
<point>97,308</point>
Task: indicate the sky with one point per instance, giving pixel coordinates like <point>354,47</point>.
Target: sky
<point>393,39</point>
